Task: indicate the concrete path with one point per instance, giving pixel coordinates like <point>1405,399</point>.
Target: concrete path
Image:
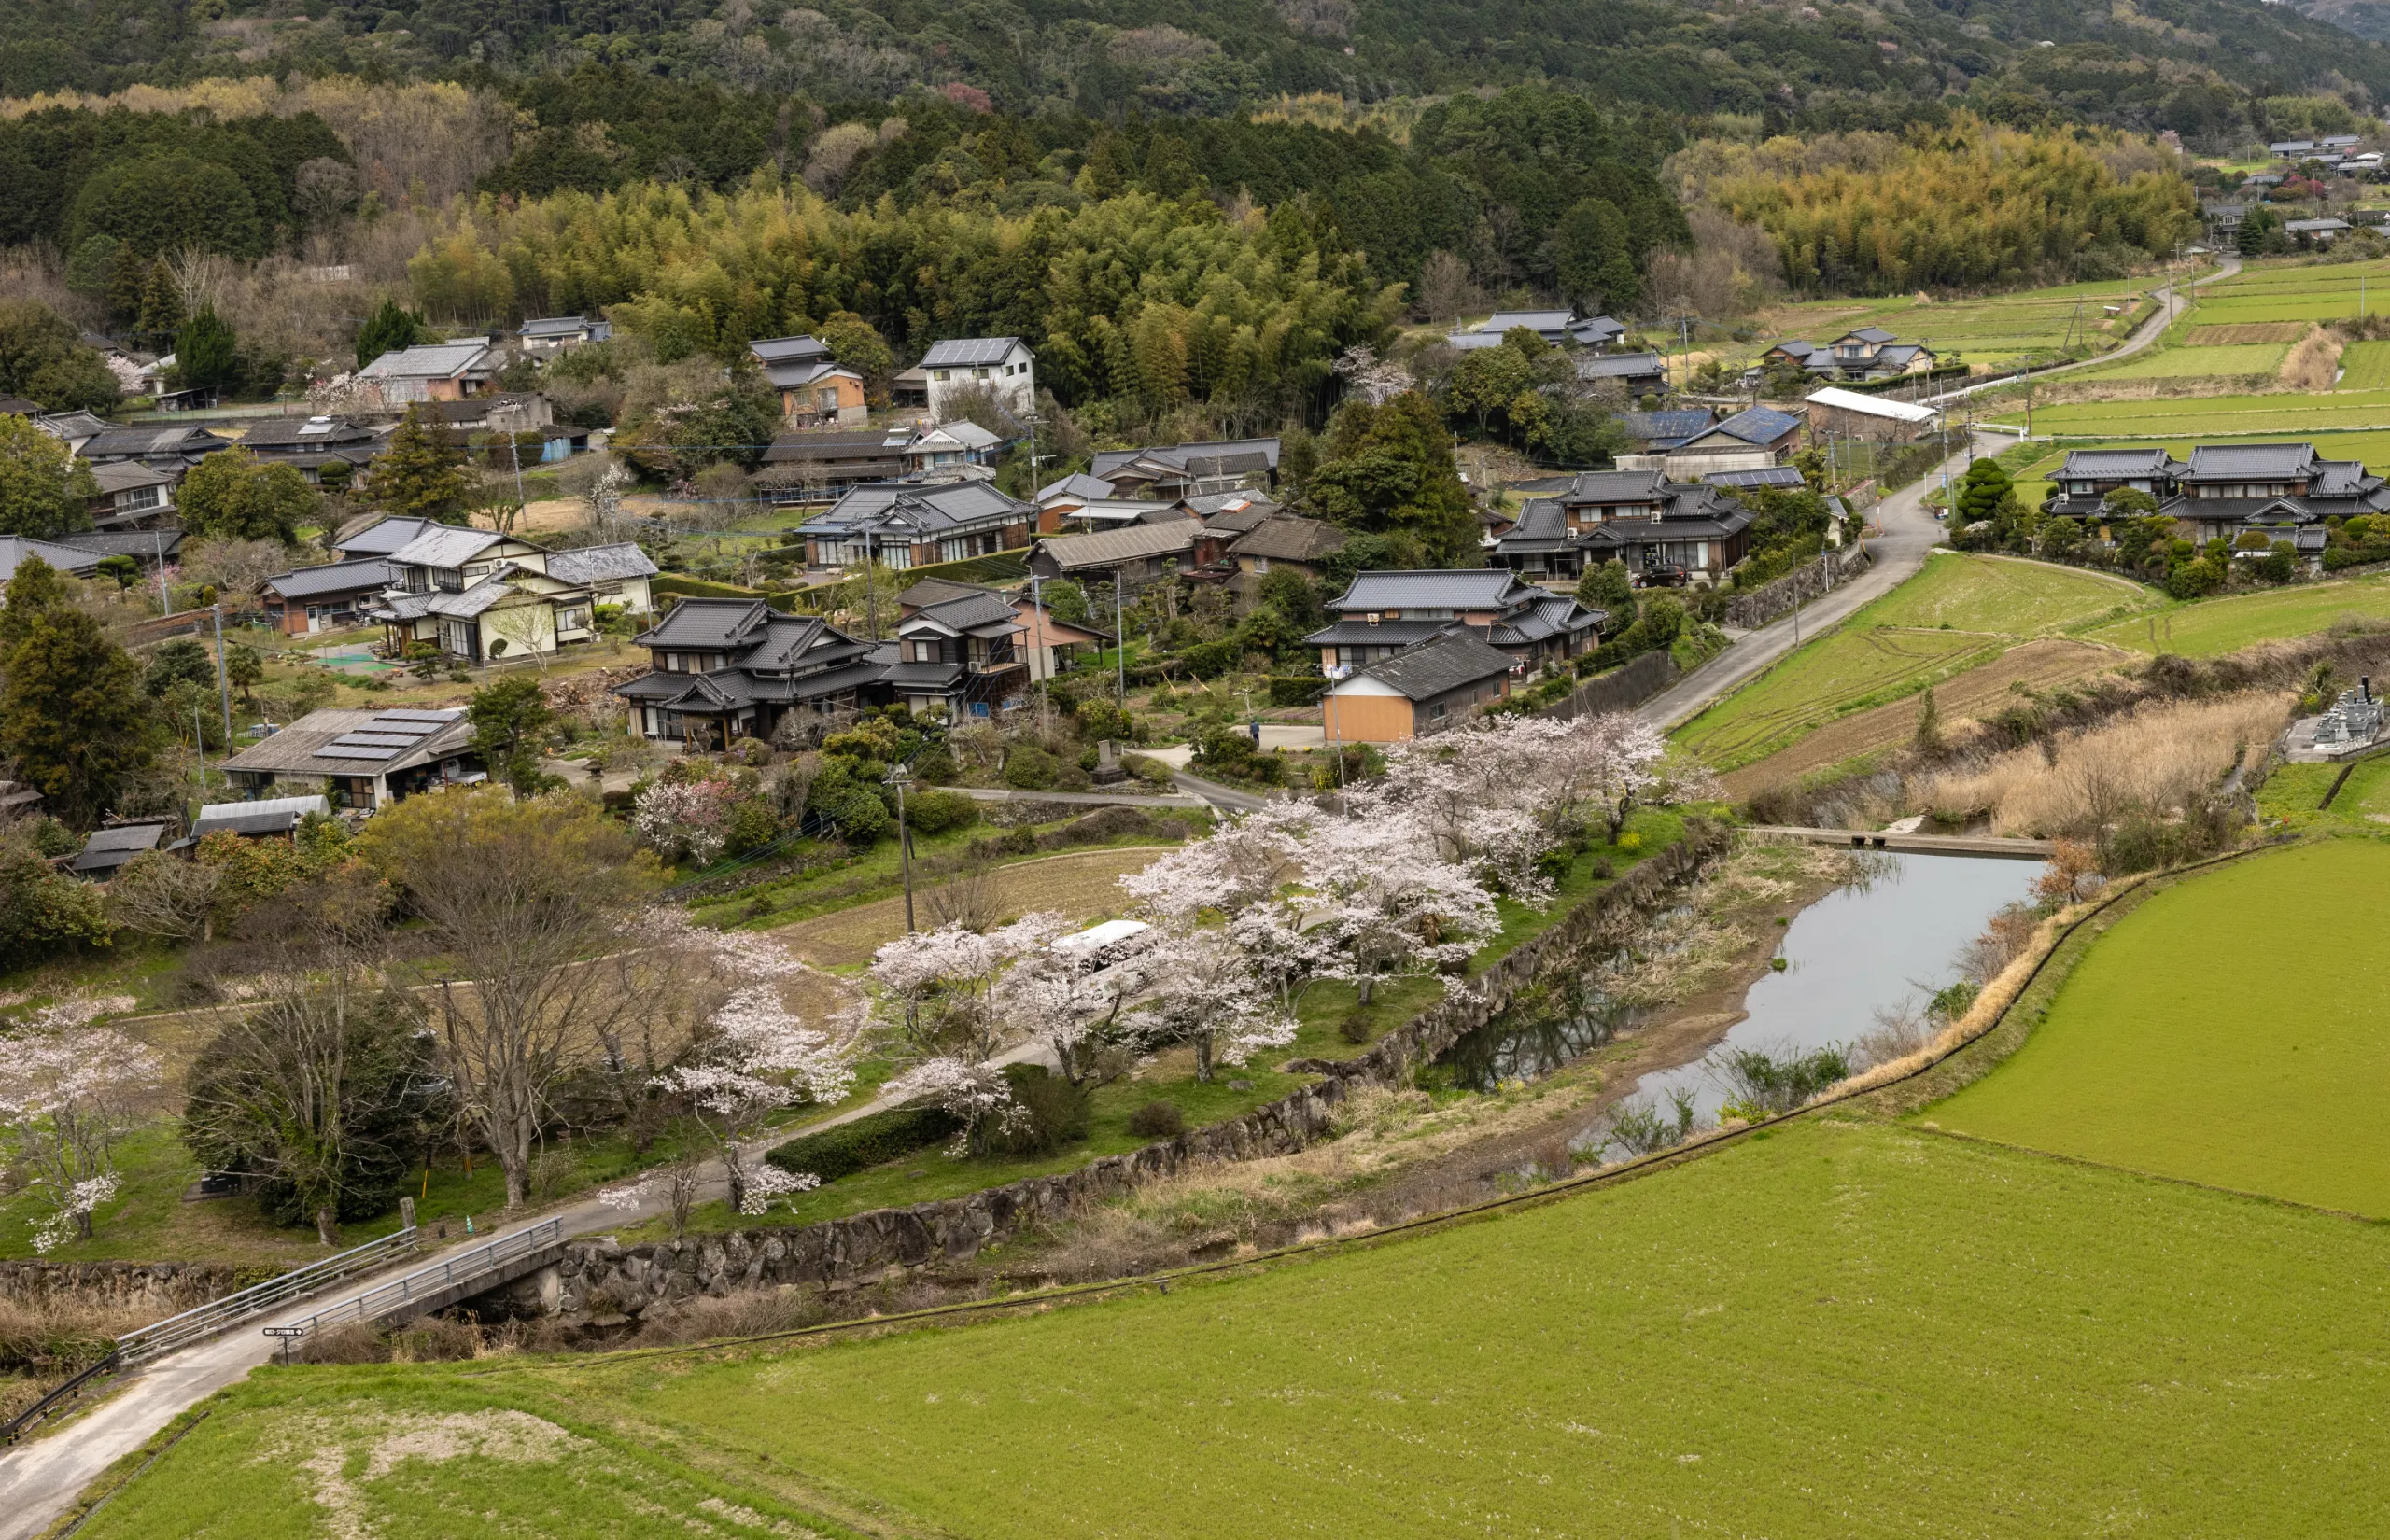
<point>1092,799</point>
<point>1909,531</point>
<point>1291,736</point>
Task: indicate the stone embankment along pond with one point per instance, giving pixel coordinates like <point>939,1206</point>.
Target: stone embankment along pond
<point>603,1279</point>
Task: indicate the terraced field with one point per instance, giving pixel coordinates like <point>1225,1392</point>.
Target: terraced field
<point>2243,332</point>
<point>2168,363</point>
<point>2215,626</point>
<point>1957,615</point>
<point>2366,366</point>
<point>1994,330</point>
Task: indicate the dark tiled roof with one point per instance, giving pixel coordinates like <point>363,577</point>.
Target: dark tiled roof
<point>1471,588</point>
<point>1133,542</point>
<point>295,433</point>
<point>152,543</point>
<point>111,848</point>
<point>14,549</point>
<point>1769,475</point>
<point>707,624</point>
<point>786,350</point>
<point>359,577</point>
<point>2101,463</point>
<point>1291,539</point>
<point>600,564</point>
<point>1620,366</point>
<point>1617,487</point>
<point>2237,462</point>
<point>971,612</point>
<point>1759,425</point>
<point>1452,660</point>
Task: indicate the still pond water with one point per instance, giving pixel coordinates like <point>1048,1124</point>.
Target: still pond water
<point>1891,940</point>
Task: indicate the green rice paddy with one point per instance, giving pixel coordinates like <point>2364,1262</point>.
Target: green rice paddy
<point>2365,366</point>
<point>1841,1328</point>
<point>2185,362</point>
<point>1961,612</point>
<point>2190,1044</point>
<point>2289,415</point>
<point>2210,627</point>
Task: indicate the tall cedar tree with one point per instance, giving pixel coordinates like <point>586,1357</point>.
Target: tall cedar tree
<point>71,709</point>
<point>232,495</point>
<point>422,474</point>
<point>390,329</point>
<point>206,354</point>
<point>44,490</point>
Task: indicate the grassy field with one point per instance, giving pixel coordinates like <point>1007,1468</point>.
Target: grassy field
<point>2289,415</point>
<point>2214,627</point>
<point>1841,1329</point>
<point>2294,290</point>
<point>2179,1047</point>
<point>2366,366</point>
<point>1958,614</point>
<point>1994,330</point>
<point>2185,362</point>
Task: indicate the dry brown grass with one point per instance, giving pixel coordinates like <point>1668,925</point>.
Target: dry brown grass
<point>2159,758</point>
<point>41,1332</point>
<point>1996,998</point>
<point>1084,885</point>
<point>2314,363</point>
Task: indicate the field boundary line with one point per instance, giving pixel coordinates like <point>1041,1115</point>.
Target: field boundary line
<point>1962,1136</point>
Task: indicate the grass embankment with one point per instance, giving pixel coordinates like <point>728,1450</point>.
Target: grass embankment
<point>2208,628</point>
<point>2188,1044</point>
<point>1958,614</point>
<point>1323,1012</point>
<point>1843,1328</point>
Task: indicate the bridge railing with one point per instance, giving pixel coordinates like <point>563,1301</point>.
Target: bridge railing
<point>440,1277</point>
<point>216,1314</point>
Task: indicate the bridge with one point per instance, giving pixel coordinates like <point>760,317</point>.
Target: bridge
<point>1917,845</point>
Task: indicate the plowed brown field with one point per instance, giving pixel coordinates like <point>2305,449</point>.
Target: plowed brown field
<point>2245,332</point>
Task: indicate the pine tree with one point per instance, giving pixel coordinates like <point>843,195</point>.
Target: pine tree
<point>1929,726</point>
<point>422,474</point>
<point>162,302</point>
<point>71,709</point>
<point>206,354</point>
<point>388,328</point>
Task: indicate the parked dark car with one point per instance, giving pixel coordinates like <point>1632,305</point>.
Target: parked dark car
<point>1661,577</point>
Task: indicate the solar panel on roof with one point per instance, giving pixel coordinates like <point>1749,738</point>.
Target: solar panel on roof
<point>354,752</point>
<point>376,740</point>
<point>408,714</point>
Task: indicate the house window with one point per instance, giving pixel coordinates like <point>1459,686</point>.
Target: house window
<point>942,375</point>
<point>1261,564</point>
<point>575,619</point>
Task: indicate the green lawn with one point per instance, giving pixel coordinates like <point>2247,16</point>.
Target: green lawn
<point>2209,627</point>
<point>1842,1329</point>
<point>2185,1045</point>
<point>1961,612</point>
<point>2180,363</point>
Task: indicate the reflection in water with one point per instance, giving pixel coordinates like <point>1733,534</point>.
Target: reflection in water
<point>1864,948</point>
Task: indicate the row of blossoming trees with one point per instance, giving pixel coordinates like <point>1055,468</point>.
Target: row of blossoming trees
<point>545,976</point>
<point>1403,879</point>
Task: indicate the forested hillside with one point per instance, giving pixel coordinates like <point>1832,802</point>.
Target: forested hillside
<point>2202,67</point>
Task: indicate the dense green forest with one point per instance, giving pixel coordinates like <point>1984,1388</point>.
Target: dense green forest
<point>2204,68</point>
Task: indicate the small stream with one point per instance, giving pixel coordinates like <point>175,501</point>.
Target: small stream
<point>1889,939</point>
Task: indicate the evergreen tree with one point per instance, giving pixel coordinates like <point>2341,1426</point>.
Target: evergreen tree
<point>44,490</point>
<point>1929,725</point>
<point>206,354</point>
<point>510,717</point>
<point>71,709</point>
<point>390,329</point>
<point>422,474</point>
<point>162,302</point>
<point>1981,492</point>
<point>1389,470</point>
<point>1595,264</point>
<point>232,495</point>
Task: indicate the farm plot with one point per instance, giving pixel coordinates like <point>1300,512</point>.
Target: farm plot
<point>1958,613</point>
<point>1977,693</point>
<point>1994,330</point>
<point>2168,363</point>
<point>2243,332</point>
<point>2203,415</point>
<point>2366,366</point>
<point>2177,1047</point>
<point>2209,627</point>
<point>1838,1328</point>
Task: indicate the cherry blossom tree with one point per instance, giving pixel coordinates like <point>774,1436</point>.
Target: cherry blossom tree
<point>687,820</point>
<point>756,1058</point>
<point>1622,762</point>
<point>1248,860</point>
<point>69,1089</point>
<point>1206,991</point>
<point>1389,905</point>
<point>934,992</point>
<point>1051,995</point>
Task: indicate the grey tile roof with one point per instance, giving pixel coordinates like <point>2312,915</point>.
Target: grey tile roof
<point>2101,463</point>
<point>1356,632</point>
<point>1076,484</point>
<point>1291,539</point>
<point>1472,588</point>
<point>304,432</point>
<point>426,361</point>
<point>786,350</point>
<point>446,545</point>
<point>131,442</point>
<point>1865,334</point>
<point>791,377</point>
<point>601,564</point>
<point>125,475</point>
<point>1620,366</point>
<point>152,543</point>
<point>478,599</point>
<point>14,549</point>
<point>930,591</point>
<point>1218,458</point>
<point>1534,321</point>
<point>2233,462</point>
<point>930,510</point>
<point>1617,487</point>
<point>111,848</point>
<point>1597,328</point>
<point>554,326</point>
<point>1771,475</point>
<point>967,352</point>
<point>371,575</point>
<point>707,624</point>
<point>1452,660</point>
<point>976,613</point>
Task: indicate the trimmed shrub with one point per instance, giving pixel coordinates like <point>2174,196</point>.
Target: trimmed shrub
<point>865,1142</point>
<point>1158,1120</point>
<point>935,767</point>
<point>935,812</point>
<point>1029,768</point>
<point>1355,1027</point>
<point>1058,1112</point>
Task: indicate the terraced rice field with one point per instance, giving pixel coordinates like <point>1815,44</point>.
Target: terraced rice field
<point>2210,627</point>
<point>1977,693</point>
<point>2243,332</point>
<point>2280,291</point>
<point>2167,363</point>
<point>2287,414</point>
<point>1991,330</point>
<point>1957,615</point>
<point>2366,366</point>
<point>2180,1048</point>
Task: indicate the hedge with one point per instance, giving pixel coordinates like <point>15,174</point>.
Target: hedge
<point>1295,689</point>
<point>865,1142</point>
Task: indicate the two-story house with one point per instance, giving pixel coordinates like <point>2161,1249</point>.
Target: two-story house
<point>431,371</point>
<point>550,335</point>
<point>900,526</point>
<point>958,655</point>
<point>2282,491</point>
<point>1641,518</point>
<point>725,669</point>
<point>815,389</point>
<point>1004,365</point>
<point>1383,612</point>
<point>482,596</point>
<point>131,495</point>
<point>952,450</point>
<point>1870,353</point>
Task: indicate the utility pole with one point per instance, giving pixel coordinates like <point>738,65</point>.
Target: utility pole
<point>158,545</point>
<point>223,680</point>
<point>900,779</point>
<point>1037,656</point>
<point>1120,637</point>
<point>870,589</point>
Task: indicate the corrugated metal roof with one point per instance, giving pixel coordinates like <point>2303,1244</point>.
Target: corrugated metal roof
<point>1137,541</point>
<point>1869,406</point>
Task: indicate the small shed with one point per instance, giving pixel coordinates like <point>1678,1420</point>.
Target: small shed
<point>107,851</point>
<point>1436,684</point>
<point>270,818</point>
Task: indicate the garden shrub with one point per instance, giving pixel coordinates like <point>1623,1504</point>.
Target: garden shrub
<point>1058,1113</point>
<point>1029,768</point>
<point>934,812</point>
<point>1355,1027</point>
<point>1295,689</point>
<point>865,1142</point>
<point>934,766</point>
<point>1211,659</point>
<point>1158,1120</point>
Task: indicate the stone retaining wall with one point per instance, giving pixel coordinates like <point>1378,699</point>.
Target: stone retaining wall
<point>1748,612</point>
<point>164,1288</point>
<point>606,1280</point>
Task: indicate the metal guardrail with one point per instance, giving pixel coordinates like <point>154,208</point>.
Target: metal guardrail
<point>441,1276</point>
<point>216,1314</point>
<point>48,1406</point>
